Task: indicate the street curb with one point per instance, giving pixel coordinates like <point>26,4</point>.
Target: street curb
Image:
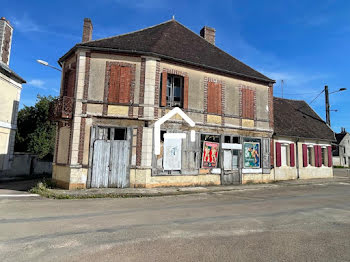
<point>85,193</point>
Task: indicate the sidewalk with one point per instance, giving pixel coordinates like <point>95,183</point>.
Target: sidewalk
<point>170,191</point>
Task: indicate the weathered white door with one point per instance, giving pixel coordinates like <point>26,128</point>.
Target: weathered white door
<point>100,167</point>
<point>111,158</point>
<point>119,160</point>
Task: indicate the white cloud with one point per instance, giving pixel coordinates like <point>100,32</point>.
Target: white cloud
<point>37,83</point>
<point>25,24</point>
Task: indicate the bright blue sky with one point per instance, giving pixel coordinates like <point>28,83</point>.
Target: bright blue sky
<point>305,43</point>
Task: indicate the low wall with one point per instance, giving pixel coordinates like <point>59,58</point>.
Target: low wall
<point>143,178</point>
<point>25,164</point>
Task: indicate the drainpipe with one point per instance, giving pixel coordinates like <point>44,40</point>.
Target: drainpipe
<point>297,156</point>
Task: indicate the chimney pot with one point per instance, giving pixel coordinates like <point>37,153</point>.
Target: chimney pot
<point>87,30</point>
<point>208,33</point>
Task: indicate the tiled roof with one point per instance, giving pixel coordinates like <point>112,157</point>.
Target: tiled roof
<point>171,40</point>
<point>4,69</point>
<point>296,118</point>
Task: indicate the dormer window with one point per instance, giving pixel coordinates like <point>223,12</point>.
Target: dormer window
<point>174,92</point>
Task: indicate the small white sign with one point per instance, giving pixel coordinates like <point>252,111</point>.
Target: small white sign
<point>231,146</point>
<point>172,153</point>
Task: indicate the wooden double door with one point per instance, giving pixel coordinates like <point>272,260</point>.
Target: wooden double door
<point>110,158</point>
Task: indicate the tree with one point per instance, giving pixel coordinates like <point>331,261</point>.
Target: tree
<point>35,132</point>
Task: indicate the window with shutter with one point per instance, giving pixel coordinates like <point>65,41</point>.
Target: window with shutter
<point>278,154</point>
<point>292,155</point>
<point>214,98</point>
<point>119,84</point>
<point>248,103</point>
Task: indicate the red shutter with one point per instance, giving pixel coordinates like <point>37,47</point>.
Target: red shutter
<point>316,156</point>
<point>278,154</point>
<point>330,157</point>
<point>305,155</point>
<point>113,90</point>
<point>292,158</point>
<point>164,88</point>
<point>186,92</point>
<point>124,85</point>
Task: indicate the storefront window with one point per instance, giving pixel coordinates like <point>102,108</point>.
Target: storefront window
<point>210,150</point>
<point>251,150</point>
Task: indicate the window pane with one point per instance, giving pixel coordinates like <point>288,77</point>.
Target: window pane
<point>177,82</point>
<point>284,155</point>
<point>177,92</point>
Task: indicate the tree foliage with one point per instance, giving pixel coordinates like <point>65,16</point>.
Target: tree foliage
<point>35,132</point>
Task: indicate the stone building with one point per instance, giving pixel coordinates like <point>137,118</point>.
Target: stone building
<point>341,151</point>
<point>116,90</point>
<point>302,142</point>
<point>10,89</point>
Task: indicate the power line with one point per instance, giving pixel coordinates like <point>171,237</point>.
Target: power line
<point>316,97</point>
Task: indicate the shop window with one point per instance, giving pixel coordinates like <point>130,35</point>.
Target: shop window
<point>231,159</point>
<point>231,139</point>
<point>210,151</point>
<point>251,149</point>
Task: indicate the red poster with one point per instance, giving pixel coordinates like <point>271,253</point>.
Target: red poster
<point>210,154</point>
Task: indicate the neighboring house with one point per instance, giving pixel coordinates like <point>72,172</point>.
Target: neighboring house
<point>114,90</point>
<point>341,151</point>
<point>302,141</point>
<point>10,89</point>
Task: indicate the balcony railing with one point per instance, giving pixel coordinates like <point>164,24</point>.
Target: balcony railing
<point>62,108</point>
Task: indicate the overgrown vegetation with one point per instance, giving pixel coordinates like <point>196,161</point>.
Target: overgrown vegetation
<point>35,132</point>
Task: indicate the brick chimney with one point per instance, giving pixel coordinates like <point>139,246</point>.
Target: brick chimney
<point>87,30</point>
<point>208,33</point>
<point>5,40</point>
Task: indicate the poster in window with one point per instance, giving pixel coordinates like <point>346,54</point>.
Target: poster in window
<point>252,155</point>
<point>210,154</point>
<point>172,153</point>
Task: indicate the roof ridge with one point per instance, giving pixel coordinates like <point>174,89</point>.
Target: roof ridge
<point>132,32</point>
<point>282,98</point>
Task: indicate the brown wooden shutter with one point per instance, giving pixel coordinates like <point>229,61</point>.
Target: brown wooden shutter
<point>164,88</point>
<point>185,92</point>
<point>305,163</point>
<point>124,85</point>
<point>218,100</point>
<point>113,90</point>
<point>320,156</point>
<point>214,98</point>
<point>278,154</point>
<point>292,158</point>
<point>119,84</point>
<point>248,104</point>
<point>330,160</point>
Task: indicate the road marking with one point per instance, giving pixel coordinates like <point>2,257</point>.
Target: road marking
<point>19,195</point>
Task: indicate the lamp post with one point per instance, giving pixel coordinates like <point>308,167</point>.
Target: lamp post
<point>328,116</point>
<point>42,62</point>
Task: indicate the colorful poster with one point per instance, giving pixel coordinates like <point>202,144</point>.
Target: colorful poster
<point>252,155</point>
<point>172,153</point>
<point>210,154</point>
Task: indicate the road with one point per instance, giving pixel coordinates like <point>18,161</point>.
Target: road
<point>283,223</point>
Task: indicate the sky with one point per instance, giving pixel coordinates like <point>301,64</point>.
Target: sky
<point>304,43</point>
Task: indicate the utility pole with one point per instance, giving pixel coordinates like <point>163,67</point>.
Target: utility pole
<point>328,118</point>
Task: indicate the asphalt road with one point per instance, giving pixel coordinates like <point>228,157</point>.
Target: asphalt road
<point>284,223</point>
